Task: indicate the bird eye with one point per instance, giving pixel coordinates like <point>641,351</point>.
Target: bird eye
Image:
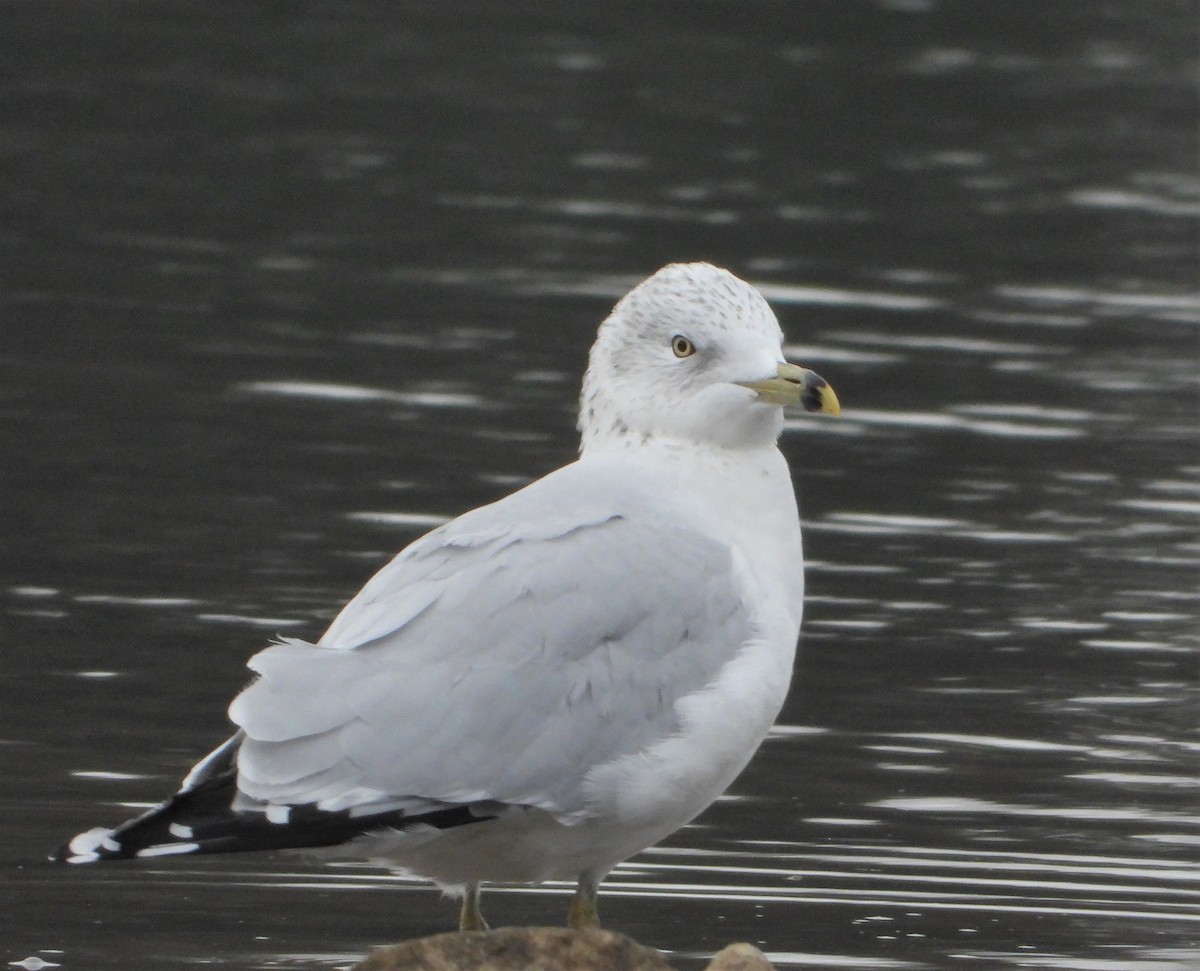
<point>682,346</point>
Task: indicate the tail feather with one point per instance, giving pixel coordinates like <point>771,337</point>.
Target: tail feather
<point>200,818</point>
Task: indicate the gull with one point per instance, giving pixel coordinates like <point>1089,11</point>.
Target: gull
<point>549,684</point>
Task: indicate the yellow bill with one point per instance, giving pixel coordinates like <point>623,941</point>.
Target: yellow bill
<point>795,385</point>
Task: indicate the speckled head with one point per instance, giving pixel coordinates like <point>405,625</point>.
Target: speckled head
<point>667,360</point>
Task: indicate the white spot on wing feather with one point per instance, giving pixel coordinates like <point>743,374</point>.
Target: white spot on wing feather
<point>168,849</point>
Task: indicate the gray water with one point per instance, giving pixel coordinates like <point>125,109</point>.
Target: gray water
<point>284,284</point>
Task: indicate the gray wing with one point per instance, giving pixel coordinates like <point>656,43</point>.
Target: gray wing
<point>499,658</point>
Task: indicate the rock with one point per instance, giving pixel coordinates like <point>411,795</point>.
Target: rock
<point>540,949</point>
<point>740,957</point>
<point>517,949</point>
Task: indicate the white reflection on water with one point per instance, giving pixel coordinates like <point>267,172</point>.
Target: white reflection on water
<point>968,804</point>
<point>1139,778</point>
<point>873,524</point>
<point>943,342</point>
<point>849,821</point>
<point>1035,319</point>
<point>821,566</point>
<point>1132,959</point>
<point>419,520</point>
<point>355,393</point>
<point>806,353</point>
<point>251,621</point>
<point>1035,412</point>
<point>589,208</point>
<point>108,776</point>
<point>1173,485</point>
<point>827,296</point>
<point>798,959</point>
<point>986,741</point>
<point>336,960</point>
<point>1105,198</point>
<point>35,963</point>
<point>125,601</point>
<point>897,523</point>
<point>1181,506</point>
<point>943,421</point>
<point>1188,304</point>
<point>1131,645</point>
<point>1076,626</point>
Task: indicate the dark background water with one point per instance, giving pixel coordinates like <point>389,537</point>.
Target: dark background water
<point>285,282</point>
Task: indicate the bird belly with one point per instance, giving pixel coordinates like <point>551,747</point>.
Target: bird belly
<point>523,845</point>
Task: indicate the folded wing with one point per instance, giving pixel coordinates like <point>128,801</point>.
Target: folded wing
<point>494,663</point>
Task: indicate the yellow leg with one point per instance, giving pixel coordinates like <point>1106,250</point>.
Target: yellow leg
<point>470,918</point>
<point>582,915</point>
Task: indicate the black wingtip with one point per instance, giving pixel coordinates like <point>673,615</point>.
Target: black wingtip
<point>201,818</point>
<point>161,832</point>
<point>167,829</point>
